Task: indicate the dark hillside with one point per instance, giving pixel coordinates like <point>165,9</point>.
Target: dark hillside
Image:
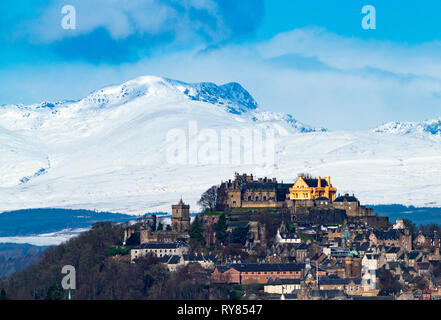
<point>101,275</point>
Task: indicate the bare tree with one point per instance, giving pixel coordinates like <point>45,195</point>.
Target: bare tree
<point>209,199</point>
<point>305,175</point>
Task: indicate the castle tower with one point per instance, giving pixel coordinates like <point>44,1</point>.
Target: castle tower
<point>180,217</point>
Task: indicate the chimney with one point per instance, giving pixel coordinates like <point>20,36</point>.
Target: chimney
<point>329,181</point>
<point>319,183</point>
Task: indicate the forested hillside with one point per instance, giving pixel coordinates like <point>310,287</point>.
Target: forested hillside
<point>15,257</point>
<point>103,275</point>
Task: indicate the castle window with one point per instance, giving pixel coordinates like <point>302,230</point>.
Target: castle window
<point>249,198</point>
<point>257,198</point>
<point>264,198</point>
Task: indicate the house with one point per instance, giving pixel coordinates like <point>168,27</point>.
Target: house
<point>413,257</point>
<point>327,295</point>
<point>283,236</point>
<point>392,238</point>
<point>428,240</point>
<point>332,283</point>
<point>422,268</point>
<point>336,252</point>
<point>352,206</point>
<point>171,261</point>
<point>159,249</point>
<point>289,296</point>
<point>308,188</point>
<point>362,248</point>
<point>353,266</point>
<point>333,233</point>
<point>354,287</point>
<point>392,254</point>
<point>174,261</point>
<point>281,286</point>
<point>349,286</point>
<point>370,264</point>
<point>245,273</point>
<point>204,262</point>
<point>301,252</point>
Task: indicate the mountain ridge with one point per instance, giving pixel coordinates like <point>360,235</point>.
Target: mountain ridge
<point>110,150</point>
<point>430,126</point>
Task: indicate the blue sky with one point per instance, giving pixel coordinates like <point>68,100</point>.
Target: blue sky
<point>311,59</point>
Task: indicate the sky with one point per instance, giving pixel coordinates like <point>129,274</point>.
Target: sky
<point>312,59</point>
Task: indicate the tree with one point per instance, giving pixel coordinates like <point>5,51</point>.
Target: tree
<point>236,292</point>
<point>437,270</point>
<point>240,235</point>
<point>420,282</point>
<point>221,229</point>
<point>3,295</point>
<point>134,239</point>
<point>209,199</point>
<point>411,226</point>
<point>54,293</point>
<point>196,232</point>
<point>388,283</point>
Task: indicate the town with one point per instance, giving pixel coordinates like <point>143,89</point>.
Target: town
<point>293,241</point>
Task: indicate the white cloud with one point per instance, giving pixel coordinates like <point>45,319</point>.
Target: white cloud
<point>352,53</point>
<point>356,84</point>
<point>123,18</point>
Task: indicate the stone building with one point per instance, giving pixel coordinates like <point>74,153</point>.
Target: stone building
<point>428,240</point>
<point>283,236</point>
<point>307,188</point>
<point>148,235</point>
<point>352,206</point>
<point>258,272</point>
<point>246,192</point>
<point>209,222</point>
<point>180,217</point>
<point>392,238</point>
<point>159,249</point>
<point>352,267</point>
<point>180,224</point>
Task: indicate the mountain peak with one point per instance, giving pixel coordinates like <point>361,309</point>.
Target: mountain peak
<point>431,127</point>
<point>232,95</point>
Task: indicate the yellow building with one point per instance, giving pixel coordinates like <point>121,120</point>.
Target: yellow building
<point>307,188</point>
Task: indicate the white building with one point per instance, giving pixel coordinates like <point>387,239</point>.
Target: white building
<point>159,249</point>
<point>370,265</point>
<point>285,237</point>
<point>282,286</point>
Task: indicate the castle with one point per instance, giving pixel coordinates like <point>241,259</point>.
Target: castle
<point>308,188</point>
<point>180,217</point>
<point>180,223</point>
<point>247,192</point>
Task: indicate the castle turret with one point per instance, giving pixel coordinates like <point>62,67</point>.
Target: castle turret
<point>180,217</point>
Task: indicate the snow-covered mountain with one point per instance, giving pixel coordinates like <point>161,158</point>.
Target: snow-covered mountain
<point>432,126</point>
<point>111,150</point>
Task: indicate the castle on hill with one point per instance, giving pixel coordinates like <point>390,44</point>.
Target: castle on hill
<point>247,192</point>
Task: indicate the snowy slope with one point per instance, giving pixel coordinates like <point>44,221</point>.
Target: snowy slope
<point>109,151</point>
<point>432,126</point>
